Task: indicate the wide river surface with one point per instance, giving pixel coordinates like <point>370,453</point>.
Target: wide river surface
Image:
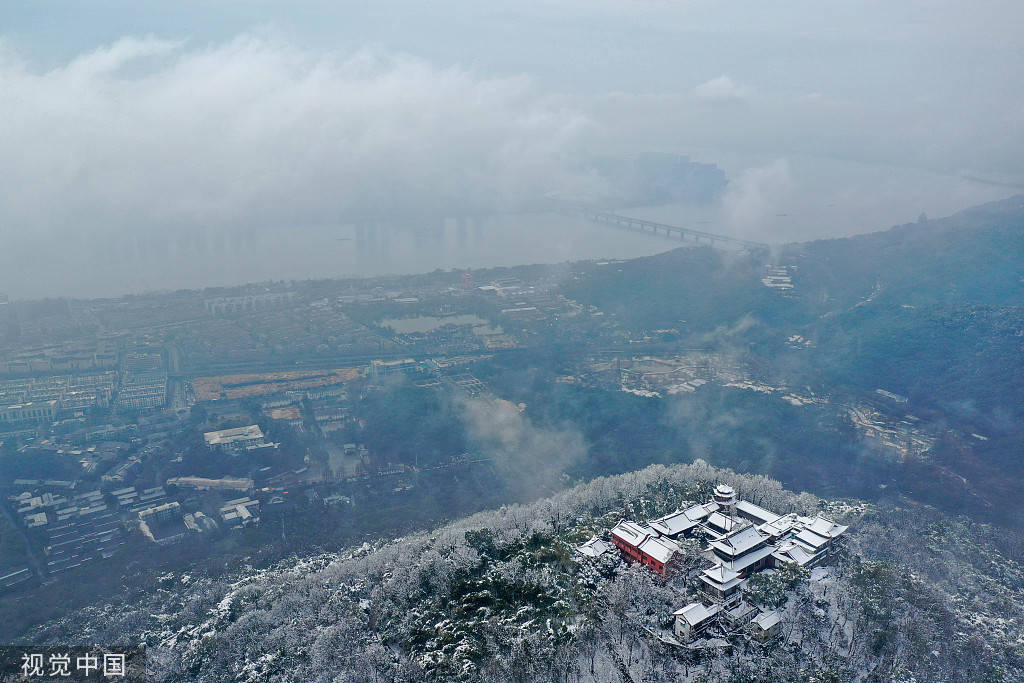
<point>768,200</point>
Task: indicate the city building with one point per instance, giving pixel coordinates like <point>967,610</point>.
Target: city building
<point>144,384</point>
<point>240,512</point>
<point>383,368</point>
<point>162,524</point>
<point>82,530</point>
<point>228,305</point>
<point>42,411</point>
<point>204,484</point>
<point>289,414</point>
<point>235,440</point>
<point>14,578</point>
<point>73,393</point>
<point>199,523</point>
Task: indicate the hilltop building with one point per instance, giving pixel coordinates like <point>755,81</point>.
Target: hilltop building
<point>680,522</point>
<point>738,555</point>
<point>595,547</point>
<point>694,619</point>
<point>642,544</point>
<point>742,538</point>
<point>766,625</point>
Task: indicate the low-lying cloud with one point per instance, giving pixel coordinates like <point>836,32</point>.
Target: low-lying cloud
<point>153,163</point>
<point>532,458</point>
<point>148,134</point>
<point>757,196</point>
<point>721,89</point>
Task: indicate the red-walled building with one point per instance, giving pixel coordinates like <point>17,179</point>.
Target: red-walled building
<point>642,544</point>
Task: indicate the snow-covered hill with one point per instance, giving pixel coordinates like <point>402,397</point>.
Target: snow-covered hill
<point>502,596</point>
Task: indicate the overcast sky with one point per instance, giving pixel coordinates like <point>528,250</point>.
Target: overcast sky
<point>136,117</point>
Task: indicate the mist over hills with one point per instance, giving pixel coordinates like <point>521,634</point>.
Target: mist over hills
<point>882,372</point>
<point>932,312</point>
<point>554,341</point>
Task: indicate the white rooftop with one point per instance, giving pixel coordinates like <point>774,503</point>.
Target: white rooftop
<point>760,515</point>
<point>721,577</point>
<point>594,547</point>
<point>811,539</point>
<point>744,561</point>
<point>659,548</point>
<point>231,435</point>
<point>765,620</point>
<point>780,525</point>
<point>720,521</point>
<point>699,512</point>
<point>739,610</point>
<point>739,542</point>
<point>695,613</point>
<point>674,523</point>
<point>794,552</point>
<point>826,527</point>
<point>633,533</point>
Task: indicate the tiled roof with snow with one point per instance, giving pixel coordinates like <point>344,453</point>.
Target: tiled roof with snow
<point>751,558</point>
<point>794,552</point>
<point>811,539</point>
<point>758,513</point>
<point>659,548</point>
<point>765,620</point>
<point>594,547</point>
<point>740,541</point>
<point>826,527</point>
<point>721,577</point>
<point>720,521</point>
<point>779,526</point>
<point>633,533</point>
<point>699,512</point>
<point>695,613</point>
<point>674,523</point>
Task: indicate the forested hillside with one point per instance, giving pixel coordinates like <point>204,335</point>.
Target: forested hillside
<point>502,596</point>
<point>932,312</point>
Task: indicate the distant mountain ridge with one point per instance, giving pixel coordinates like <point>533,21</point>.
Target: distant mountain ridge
<point>973,256</point>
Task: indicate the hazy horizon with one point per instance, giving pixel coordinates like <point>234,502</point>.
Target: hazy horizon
<point>128,126</point>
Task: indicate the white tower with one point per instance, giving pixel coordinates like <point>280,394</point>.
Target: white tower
<point>725,496</point>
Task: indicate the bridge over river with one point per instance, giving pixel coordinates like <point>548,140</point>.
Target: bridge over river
<point>684,234</point>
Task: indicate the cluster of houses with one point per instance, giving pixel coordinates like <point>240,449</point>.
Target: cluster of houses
<point>741,538</point>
